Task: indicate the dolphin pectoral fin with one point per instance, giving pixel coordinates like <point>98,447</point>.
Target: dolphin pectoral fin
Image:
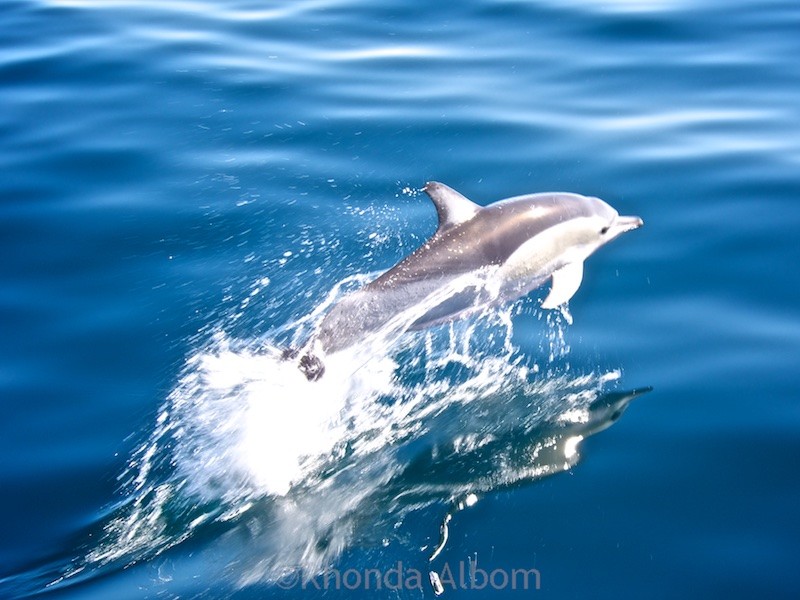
<point>451,207</point>
<point>566,282</point>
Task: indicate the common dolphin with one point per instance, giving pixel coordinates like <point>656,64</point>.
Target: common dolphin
<point>512,247</point>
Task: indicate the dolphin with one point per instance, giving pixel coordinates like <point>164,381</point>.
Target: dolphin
<point>478,257</point>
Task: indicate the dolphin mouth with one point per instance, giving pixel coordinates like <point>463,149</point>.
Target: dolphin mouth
<point>622,224</point>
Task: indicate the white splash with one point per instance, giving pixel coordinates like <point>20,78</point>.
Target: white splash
<point>245,440</point>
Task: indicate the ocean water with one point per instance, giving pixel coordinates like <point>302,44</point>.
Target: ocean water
<point>186,187</point>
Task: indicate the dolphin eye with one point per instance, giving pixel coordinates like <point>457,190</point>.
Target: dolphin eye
<point>604,230</point>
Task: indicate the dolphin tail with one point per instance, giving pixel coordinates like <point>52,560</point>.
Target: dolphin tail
<point>309,364</point>
<point>312,366</point>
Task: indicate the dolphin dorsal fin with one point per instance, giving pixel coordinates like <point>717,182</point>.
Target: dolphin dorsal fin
<point>452,207</point>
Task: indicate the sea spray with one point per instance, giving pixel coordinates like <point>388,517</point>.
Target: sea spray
<point>297,471</point>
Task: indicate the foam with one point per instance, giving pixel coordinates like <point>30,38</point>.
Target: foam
<point>303,469</point>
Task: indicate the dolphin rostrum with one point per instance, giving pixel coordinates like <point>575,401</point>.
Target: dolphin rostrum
<point>478,257</point>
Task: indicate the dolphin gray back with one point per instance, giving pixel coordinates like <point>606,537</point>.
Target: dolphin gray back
<point>488,237</point>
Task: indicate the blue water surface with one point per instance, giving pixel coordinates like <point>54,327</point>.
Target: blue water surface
<point>190,178</point>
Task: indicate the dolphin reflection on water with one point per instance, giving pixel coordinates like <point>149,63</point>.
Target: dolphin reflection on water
<point>478,257</point>
<point>551,447</point>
